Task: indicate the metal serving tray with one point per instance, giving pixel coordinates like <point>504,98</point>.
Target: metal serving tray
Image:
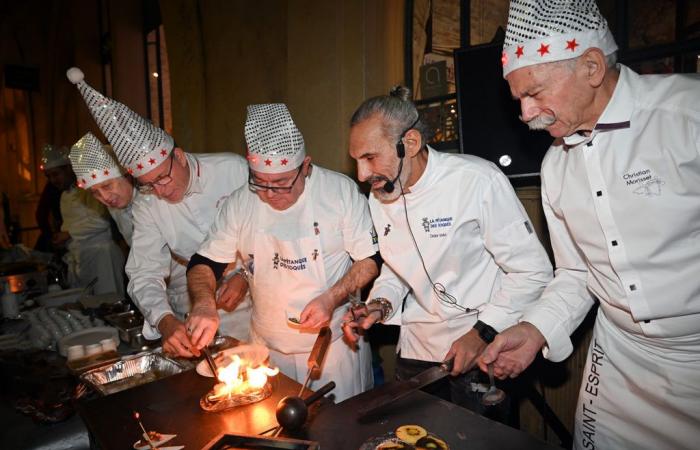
<point>244,441</point>
<point>134,371</point>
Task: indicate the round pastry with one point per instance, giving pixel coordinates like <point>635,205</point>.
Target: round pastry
<point>394,444</point>
<point>431,442</point>
<point>410,433</point>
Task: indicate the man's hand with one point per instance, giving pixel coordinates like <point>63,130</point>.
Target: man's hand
<point>202,324</point>
<point>318,312</point>
<point>175,339</point>
<point>513,350</point>
<point>465,351</point>
<point>231,293</point>
<point>358,319</point>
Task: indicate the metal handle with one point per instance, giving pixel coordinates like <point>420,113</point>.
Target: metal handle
<point>320,393</point>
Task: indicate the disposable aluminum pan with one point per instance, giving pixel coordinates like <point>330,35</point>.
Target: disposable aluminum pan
<point>128,373</point>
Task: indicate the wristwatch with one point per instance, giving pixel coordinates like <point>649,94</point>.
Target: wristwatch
<point>486,332</point>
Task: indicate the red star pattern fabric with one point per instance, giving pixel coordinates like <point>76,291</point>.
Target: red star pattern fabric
<point>93,176</point>
<point>284,162</point>
<point>544,49</point>
<point>106,172</point>
<point>268,162</point>
<point>571,45</point>
<point>151,161</point>
<point>131,171</point>
<point>519,51</point>
<point>163,152</point>
<point>504,59</point>
<point>139,166</point>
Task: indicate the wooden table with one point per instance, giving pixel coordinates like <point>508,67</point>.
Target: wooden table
<point>171,406</point>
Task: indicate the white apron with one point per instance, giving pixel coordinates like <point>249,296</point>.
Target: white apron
<point>287,274</point>
<point>638,392</point>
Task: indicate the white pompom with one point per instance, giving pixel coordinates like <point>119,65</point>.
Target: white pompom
<point>75,75</point>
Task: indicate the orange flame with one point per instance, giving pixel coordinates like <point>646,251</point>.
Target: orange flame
<point>239,378</point>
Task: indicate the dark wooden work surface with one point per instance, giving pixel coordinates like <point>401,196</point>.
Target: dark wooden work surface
<point>337,426</point>
<point>171,406</point>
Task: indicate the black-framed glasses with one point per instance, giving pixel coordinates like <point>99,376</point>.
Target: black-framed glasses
<point>276,189</point>
<point>147,188</point>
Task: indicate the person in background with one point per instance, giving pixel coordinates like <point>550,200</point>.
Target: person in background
<point>307,238</point>
<point>98,172</point>
<point>92,252</point>
<point>456,242</point>
<point>621,194</point>
<point>56,166</point>
<point>179,196</point>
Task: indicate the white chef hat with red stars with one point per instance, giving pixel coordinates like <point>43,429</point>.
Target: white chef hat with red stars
<point>542,31</point>
<point>93,162</point>
<point>139,145</point>
<point>53,156</point>
<point>275,144</point>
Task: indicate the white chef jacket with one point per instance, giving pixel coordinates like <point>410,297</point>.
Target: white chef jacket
<point>475,239</point>
<point>341,221</point>
<point>178,298</point>
<point>295,255</point>
<point>161,228</point>
<point>623,210</point>
<point>92,250</point>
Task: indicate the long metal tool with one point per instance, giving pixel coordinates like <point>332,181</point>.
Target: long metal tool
<point>399,389</point>
<point>210,361</point>
<point>318,352</point>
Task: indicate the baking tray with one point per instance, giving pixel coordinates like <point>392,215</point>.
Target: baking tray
<point>246,441</point>
<point>128,373</point>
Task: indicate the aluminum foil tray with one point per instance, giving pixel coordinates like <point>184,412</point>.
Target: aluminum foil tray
<point>128,373</point>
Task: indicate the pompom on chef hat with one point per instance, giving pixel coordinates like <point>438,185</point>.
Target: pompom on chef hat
<point>93,162</point>
<point>53,156</point>
<point>139,146</point>
<point>275,144</point>
<point>542,31</point>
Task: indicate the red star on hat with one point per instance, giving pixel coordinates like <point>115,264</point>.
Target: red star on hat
<point>106,172</point>
<point>571,45</point>
<point>284,162</point>
<point>268,162</point>
<point>139,166</point>
<point>93,176</point>
<point>504,59</point>
<point>130,170</point>
<point>151,161</point>
<point>163,152</point>
<point>519,51</point>
<point>544,49</point>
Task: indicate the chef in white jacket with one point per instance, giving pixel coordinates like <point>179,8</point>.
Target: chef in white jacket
<point>454,238</point>
<point>181,196</point>
<point>98,171</point>
<point>92,251</point>
<point>621,194</point>
<point>305,236</point>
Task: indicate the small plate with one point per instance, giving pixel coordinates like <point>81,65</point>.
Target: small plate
<point>255,353</point>
<point>140,445</point>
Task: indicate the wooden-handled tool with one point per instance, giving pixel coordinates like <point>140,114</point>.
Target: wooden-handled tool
<point>318,353</point>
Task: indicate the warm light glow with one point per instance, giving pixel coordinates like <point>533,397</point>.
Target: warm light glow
<point>155,75</point>
<point>238,378</point>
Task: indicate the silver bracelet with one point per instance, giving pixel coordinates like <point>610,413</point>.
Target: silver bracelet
<point>385,307</point>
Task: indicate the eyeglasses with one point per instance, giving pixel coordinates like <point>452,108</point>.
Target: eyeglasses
<point>147,188</point>
<point>276,189</point>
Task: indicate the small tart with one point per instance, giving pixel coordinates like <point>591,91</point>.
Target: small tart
<point>410,433</point>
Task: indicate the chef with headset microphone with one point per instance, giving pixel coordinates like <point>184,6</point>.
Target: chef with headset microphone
<point>454,238</point>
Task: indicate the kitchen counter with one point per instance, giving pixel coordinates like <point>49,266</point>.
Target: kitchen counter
<point>171,406</point>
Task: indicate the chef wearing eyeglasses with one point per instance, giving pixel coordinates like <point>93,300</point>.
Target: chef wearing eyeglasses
<point>182,195</point>
<point>305,235</point>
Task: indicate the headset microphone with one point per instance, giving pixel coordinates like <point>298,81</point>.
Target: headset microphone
<point>390,184</point>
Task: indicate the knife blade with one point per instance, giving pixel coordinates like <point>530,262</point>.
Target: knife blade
<point>400,389</point>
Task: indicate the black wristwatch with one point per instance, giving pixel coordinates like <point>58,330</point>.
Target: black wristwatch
<point>486,332</point>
